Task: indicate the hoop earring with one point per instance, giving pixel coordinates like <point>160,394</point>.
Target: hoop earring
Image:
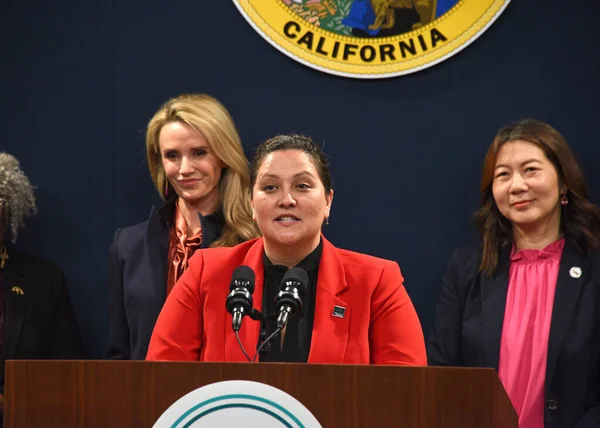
<point>564,200</point>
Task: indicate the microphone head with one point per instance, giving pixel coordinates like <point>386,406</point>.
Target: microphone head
<point>299,277</point>
<point>243,276</point>
<point>291,291</point>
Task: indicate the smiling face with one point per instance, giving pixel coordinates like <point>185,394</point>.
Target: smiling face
<point>191,166</point>
<point>526,186</point>
<point>289,202</point>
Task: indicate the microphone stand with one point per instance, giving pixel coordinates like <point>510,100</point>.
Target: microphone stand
<point>277,331</point>
<point>256,316</point>
<point>264,342</point>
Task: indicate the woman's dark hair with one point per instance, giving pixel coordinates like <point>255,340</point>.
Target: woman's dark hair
<point>292,142</point>
<point>580,219</point>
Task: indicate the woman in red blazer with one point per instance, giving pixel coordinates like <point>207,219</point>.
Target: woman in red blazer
<point>355,309</point>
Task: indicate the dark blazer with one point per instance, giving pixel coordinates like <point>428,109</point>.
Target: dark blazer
<point>39,321</point>
<point>468,328</point>
<point>138,271</point>
<point>379,324</point>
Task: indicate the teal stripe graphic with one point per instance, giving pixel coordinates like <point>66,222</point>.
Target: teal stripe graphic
<point>237,396</point>
<point>244,406</point>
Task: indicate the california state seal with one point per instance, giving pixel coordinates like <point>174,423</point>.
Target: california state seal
<point>370,39</point>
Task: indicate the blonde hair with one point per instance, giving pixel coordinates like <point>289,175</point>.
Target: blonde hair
<point>209,117</point>
<point>17,200</point>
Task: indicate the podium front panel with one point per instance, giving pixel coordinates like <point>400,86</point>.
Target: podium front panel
<point>88,394</point>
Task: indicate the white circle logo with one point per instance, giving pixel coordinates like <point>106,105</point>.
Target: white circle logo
<point>237,403</point>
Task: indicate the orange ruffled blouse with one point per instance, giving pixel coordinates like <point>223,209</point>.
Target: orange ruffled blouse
<point>181,248</point>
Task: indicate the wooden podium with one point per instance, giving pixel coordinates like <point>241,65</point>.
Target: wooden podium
<point>91,394</point>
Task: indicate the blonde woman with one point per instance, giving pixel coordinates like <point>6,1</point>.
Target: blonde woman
<point>198,166</point>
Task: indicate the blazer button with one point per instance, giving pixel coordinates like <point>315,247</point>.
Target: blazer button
<point>552,404</point>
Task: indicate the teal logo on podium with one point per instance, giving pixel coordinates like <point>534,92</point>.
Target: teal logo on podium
<point>233,403</point>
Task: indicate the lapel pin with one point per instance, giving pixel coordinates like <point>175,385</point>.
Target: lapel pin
<point>17,290</point>
<point>339,311</point>
<point>575,272</point>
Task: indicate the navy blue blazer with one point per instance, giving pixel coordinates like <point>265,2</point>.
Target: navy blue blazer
<point>138,271</point>
<point>468,328</point>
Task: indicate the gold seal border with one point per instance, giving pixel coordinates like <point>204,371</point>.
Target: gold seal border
<point>460,30</point>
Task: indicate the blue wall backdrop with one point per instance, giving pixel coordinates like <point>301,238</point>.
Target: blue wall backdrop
<point>80,80</point>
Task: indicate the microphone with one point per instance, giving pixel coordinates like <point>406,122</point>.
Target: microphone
<point>289,300</point>
<point>239,301</point>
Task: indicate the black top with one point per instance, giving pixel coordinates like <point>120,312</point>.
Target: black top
<point>298,334</point>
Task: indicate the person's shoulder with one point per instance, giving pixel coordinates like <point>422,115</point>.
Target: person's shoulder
<point>361,268</point>
<point>129,240</point>
<point>465,260</point>
<point>139,230</point>
<point>127,233</point>
<point>366,272</point>
<point>34,264</point>
<point>227,253</point>
<point>467,255</point>
<point>219,262</point>
<point>366,260</point>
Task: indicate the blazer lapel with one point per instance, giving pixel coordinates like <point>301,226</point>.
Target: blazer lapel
<point>568,287</point>
<point>15,293</point>
<point>157,245</point>
<point>493,304</point>
<point>330,333</point>
<point>250,331</point>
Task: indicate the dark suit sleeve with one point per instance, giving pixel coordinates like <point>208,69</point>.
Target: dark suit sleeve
<point>66,343</point>
<point>444,345</point>
<point>118,329</point>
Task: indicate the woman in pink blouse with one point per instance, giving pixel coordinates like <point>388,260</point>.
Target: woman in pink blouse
<point>526,300</point>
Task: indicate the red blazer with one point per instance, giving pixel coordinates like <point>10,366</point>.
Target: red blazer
<point>380,324</point>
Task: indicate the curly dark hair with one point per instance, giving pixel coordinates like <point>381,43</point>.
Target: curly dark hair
<point>17,200</point>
